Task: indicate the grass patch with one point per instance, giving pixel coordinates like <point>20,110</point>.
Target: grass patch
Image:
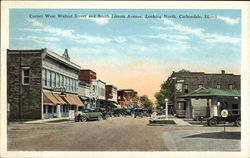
<point>162,122</point>
<point>61,120</point>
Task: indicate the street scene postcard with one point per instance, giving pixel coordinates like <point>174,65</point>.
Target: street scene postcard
<point>114,80</point>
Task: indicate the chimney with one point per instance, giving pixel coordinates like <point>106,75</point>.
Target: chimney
<point>222,71</point>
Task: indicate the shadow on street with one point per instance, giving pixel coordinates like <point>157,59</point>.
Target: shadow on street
<point>217,135</point>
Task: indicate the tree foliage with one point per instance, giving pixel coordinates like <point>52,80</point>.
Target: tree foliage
<point>162,95</point>
<point>146,102</point>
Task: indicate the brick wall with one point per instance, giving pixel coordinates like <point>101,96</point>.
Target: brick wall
<point>25,100</point>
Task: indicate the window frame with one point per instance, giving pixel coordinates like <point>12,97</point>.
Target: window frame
<point>23,76</point>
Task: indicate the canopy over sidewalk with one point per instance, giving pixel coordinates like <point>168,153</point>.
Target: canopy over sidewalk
<point>212,92</point>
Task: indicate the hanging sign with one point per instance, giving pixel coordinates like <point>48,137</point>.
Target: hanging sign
<point>224,113</point>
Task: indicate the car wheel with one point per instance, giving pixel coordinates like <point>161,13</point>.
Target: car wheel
<point>212,122</point>
<point>237,123</point>
<point>84,119</point>
<point>99,118</point>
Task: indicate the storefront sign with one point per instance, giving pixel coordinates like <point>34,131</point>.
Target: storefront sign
<point>59,89</point>
<point>224,113</point>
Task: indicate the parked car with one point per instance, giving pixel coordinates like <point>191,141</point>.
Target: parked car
<point>213,121</point>
<point>89,115</point>
<point>105,113</point>
<point>147,112</point>
<point>138,112</point>
<point>117,112</point>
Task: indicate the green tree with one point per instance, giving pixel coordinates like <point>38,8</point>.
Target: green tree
<point>162,95</point>
<point>146,102</point>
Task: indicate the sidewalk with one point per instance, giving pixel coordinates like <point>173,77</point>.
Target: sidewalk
<point>47,120</point>
<point>178,121</point>
<point>202,140</point>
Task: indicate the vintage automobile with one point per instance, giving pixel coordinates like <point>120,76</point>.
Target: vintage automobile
<point>105,113</point>
<point>147,112</point>
<point>89,115</point>
<point>213,121</point>
<point>138,112</point>
<point>117,112</point>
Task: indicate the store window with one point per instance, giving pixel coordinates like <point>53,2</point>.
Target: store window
<point>26,75</point>
<point>50,109</point>
<point>218,86</point>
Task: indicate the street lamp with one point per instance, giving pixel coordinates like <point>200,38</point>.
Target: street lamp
<point>166,110</point>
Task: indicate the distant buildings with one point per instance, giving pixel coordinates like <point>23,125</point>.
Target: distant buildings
<point>127,98</point>
<point>111,93</point>
<point>184,82</point>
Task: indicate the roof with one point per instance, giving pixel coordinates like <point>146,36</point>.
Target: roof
<point>212,92</point>
<point>61,59</point>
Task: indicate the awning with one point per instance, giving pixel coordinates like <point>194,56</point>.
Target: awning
<point>49,99</point>
<point>211,92</point>
<point>59,98</point>
<point>74,100</point>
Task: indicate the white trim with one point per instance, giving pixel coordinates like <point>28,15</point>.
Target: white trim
<point>25,68</point>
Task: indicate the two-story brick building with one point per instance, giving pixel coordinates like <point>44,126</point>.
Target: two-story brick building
<point>184,82</point>
<point>127,98</point>
<point>42,84</point>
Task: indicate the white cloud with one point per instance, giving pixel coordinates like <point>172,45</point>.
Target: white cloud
<point>45,41</point>
<point>198,32</point>
<point>34,22</point>
<point>229,20</point>
<point>170,38</point>
<point>70,34</point>
<point>215,38</point>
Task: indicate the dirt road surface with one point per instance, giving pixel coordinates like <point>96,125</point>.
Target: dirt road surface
<point>115,134</point>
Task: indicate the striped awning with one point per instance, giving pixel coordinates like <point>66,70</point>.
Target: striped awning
<point>59,98</point>
<point>49,99</point>
<point>74,100</point>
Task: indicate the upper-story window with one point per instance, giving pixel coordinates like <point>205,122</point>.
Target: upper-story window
<point>230,86</point>
<point>48,78</point>
<point>62,80</point>
<point>57,80</point>
<point>43,76</point>
<point>26,75</point>
<point>186,88</point>
<point>218,86</point>
<point>53,79</point>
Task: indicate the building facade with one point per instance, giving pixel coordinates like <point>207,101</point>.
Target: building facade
<point>42,84</point>
<point>184,82</point>
<point>127,98</point>
<point>111,93</point>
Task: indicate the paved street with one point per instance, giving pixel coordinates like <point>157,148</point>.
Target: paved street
<point>117,134</point>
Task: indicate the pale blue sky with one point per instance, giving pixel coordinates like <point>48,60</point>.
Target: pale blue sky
<point>195,44</point>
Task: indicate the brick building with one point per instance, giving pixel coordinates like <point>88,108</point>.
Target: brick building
<point>111,93</point>
<point>127,98</point>
<point>41,84</point>
<point>87,75</point>
<point>184,82</point>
